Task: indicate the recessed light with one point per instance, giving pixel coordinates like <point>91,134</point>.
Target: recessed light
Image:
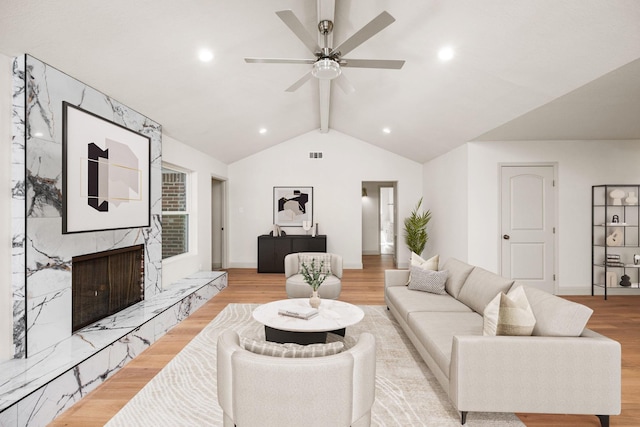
<point>262,131</point>
<point>386,130</point>
<point>446,53</point>
<point>205,55</point>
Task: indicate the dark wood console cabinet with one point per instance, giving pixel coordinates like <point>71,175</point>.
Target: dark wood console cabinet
<point>272,250</point>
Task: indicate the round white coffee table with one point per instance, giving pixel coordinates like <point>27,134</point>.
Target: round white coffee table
<point>334,316</point>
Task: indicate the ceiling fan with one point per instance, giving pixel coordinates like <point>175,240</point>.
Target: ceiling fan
<point>328,61</point>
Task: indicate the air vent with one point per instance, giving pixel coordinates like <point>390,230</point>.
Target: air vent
<point>317,155</point>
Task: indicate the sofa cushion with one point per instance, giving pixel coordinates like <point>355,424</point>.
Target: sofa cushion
<point>320,262</point>
<point>509,315</point>
<point>481,287</point>
<point>427,280</point>
<point>436,330</point>
<point>406,301</point>
<point>556,316</point>
<point>458,273</point>
<point>292,350</point>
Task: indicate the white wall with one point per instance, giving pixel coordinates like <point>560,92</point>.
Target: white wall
<point>581,164</point>
<point>337,198</point>
<point>6,309</point>
<point>204,167</point>
<point>446,196</point>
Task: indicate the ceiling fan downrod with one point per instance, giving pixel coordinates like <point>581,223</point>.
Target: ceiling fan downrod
<point>325,27</point>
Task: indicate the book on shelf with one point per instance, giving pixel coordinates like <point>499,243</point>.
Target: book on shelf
<point>615,264</point>
<point>299,313</point>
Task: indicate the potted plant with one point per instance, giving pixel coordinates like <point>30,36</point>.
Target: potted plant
<point>415,229</point>
<point>314,277</point>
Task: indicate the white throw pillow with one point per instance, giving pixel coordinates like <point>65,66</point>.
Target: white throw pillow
<point>429,264</point>
<point>509,315</point>
<point>428,280</point>
<point>318,260</point>
<point>292,350</point>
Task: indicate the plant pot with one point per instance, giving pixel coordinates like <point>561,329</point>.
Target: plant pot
<point>314,300</point>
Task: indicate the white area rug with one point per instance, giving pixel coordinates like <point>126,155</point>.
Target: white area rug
<point>407,393</point>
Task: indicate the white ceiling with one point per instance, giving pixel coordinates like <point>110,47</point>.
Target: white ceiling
<point>527,69</point>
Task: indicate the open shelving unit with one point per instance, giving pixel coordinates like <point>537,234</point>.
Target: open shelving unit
<point>615,237</point>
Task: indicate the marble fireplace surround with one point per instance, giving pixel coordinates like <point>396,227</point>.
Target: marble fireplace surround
<point>41,256</point>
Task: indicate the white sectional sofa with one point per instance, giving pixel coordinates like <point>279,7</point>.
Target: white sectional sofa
<point>563,368</point>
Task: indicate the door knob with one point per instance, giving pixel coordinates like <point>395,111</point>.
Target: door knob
<point>506,237</point>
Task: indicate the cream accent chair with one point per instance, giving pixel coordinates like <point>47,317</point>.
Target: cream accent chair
<point>264,391</point>
<point>296,286</point>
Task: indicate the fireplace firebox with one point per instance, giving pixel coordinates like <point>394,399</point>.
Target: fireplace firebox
<point>105,283</point>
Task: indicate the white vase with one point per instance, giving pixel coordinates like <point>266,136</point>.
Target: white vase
<point>631,199</point>
<point>314,300</point>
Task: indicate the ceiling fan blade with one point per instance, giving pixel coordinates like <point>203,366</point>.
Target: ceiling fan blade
<point>394,64</point>
<point>376,25</point>
<point>302,80</point>
<point>345,84</point>
<point>324,87</point>
<point>279,61</point>
<point>294,24</point>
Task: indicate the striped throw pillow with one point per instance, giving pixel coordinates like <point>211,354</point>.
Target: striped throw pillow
<point>509,315</point>
<point>318,260</point>
<point>268,348</point>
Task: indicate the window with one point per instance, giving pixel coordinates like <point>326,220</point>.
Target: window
<point>175,211</point>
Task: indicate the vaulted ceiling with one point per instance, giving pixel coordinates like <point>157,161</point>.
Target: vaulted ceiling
<point>536,69</point>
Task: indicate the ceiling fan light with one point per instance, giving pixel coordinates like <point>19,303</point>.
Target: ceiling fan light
<point>326,69</point>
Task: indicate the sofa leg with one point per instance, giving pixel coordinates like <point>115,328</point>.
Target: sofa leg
<point>604,420</point>
<point>463,417</point>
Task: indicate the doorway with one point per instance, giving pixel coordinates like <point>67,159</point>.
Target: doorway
<point>527,220</point>
<point>218,221</point>
<point>379,234</point>
<point>387,220</point>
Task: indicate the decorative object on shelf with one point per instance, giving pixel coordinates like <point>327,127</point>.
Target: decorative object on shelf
<point>612,279</point>
<point>636,259</point>
<point>105,174</point>
<point>277,232</point>
<point>625,281</point>
<point>415,229</point>
<point>314,277</point>
<point>616,196</point>
<point>292,206</point>
<point>616,238</point>
<point>631,200</point>
<point>306,226</point>
<point>615,219</point>
<point>315,231</point>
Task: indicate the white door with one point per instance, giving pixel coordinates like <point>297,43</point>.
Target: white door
<point>528,225</point>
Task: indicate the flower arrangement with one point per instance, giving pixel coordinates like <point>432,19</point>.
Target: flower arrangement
<point>312,275</point>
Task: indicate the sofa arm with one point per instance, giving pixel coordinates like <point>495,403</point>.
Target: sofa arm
<point>569,375</point>
<point>395,278</point>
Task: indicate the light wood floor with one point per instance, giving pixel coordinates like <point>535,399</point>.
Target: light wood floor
<point>618,318</point>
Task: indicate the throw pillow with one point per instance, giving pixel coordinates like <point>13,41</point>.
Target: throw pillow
<point>430,264</point>
<point>291,350</point>
<point>427,280</point>
<point>509,315</point>
<point>322,262</point>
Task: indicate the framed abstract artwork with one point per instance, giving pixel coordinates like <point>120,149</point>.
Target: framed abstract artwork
<point>105,174</point>
<point>292,205</point>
